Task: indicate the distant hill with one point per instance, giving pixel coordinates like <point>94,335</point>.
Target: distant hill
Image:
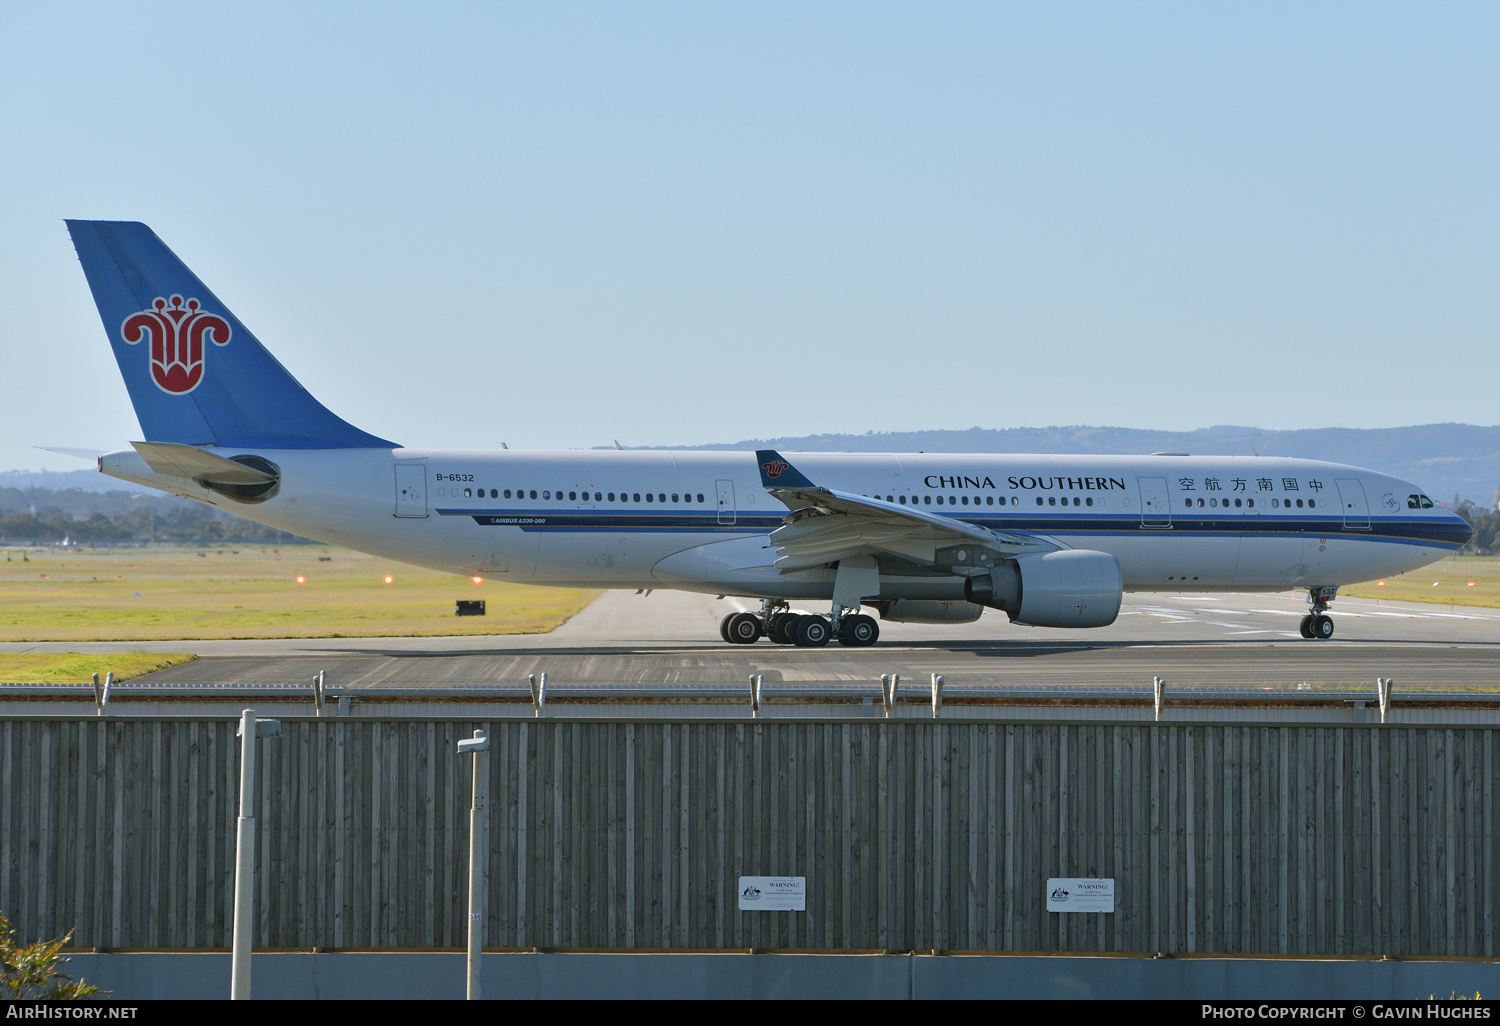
<point>1444,459</point>
<point>61,480</point>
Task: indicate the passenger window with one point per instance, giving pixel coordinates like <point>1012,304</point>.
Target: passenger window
<point>1299,503</point>
<point>1200,503</point>
<point>1038,500</point>
<point>1275,503</point>
<point>989,500</point>
<point>662,497</point>
<point>533,493</point>
<point>940,500</point>
<point>637,496</point>
<point>1052,500</point>
<point>507,493</point>
<point>597,496</point>
<point>1236,503</point>
<point>648,496</point>
<point>953,500</point>
<point>573,496</point>
<point>1250,503</point>
<point>1213,502</point>
<point>674,496</point>
<point>966,500</point>
<point>927,500</point>
<point>546,495</point>
<point>1090,500</point>
<point>1188,503</point>
<point>468,493</point>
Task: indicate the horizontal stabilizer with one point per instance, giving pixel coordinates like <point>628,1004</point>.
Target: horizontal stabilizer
<point>191,462</point>
<point>82,454</point>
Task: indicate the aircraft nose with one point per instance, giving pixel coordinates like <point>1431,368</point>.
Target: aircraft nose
<point>1463,531</point>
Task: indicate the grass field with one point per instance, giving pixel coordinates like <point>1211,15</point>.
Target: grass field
<point>78,667</point>
<point>1457,580</point>
<point>253,592</point>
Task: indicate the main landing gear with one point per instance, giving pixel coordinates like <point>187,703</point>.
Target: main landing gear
<point>805,630</point>
<point>1317,625</point>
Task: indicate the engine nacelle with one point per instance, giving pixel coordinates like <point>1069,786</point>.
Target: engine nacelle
<point>928,611</point>
<point>1071,588</point>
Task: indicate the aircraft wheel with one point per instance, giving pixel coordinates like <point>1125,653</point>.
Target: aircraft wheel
<point>1322,627</point>
<point>859,631</point>
<point>812,631</point>
<point>724,627</point>
<point>1306,627</point>
<point>743,628</point>
<point>783,628</point>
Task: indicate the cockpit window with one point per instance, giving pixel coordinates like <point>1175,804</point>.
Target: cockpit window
<point>1413,502</point>
<point>1426,502</point>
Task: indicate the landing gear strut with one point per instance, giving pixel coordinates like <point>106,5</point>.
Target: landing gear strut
<point>1317,625</point>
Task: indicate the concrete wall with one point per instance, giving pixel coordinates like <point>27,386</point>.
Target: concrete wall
<point>406,975</point>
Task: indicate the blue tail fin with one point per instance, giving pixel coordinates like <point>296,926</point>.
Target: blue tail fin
<point>195,373</point>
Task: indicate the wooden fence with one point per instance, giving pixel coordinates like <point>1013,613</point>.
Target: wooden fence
<point>912,835</point>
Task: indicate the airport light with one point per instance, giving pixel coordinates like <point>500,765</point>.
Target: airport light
<point>477,581</point>
<point>477,746</point>
<point>389,578</point>
<point>301,579</point>
<point>244,854</point>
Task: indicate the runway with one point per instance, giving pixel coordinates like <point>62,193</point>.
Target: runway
<point>671,637</point>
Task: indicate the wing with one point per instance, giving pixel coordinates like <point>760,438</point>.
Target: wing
<point>826,525</point>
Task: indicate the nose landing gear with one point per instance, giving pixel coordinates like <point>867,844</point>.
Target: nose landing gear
<point>1317,625</point>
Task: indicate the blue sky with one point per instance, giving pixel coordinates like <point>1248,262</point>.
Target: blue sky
<point>559,224</point>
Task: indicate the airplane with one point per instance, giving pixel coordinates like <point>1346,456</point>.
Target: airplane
<point>1051,541</point>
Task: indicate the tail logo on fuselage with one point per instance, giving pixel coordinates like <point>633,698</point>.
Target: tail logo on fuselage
<point>177,336</point>
<point>774,468</point>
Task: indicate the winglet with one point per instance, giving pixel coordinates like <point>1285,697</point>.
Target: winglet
<point>776,472</point>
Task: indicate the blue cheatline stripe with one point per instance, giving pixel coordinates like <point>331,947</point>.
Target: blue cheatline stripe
<point>1408,531</point>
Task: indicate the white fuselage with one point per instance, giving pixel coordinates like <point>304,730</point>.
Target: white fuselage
<point>699,521</point>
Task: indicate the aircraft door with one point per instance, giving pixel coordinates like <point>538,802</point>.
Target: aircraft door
<point>411,490</point>
<point>1352,499</point>
<point>726,501</point>
<point>1156,510</point>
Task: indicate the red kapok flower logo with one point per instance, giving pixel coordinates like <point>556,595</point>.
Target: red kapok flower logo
<point>177,333</point>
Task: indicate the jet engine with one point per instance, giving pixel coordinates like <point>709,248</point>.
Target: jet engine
<point>1071,588</point>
